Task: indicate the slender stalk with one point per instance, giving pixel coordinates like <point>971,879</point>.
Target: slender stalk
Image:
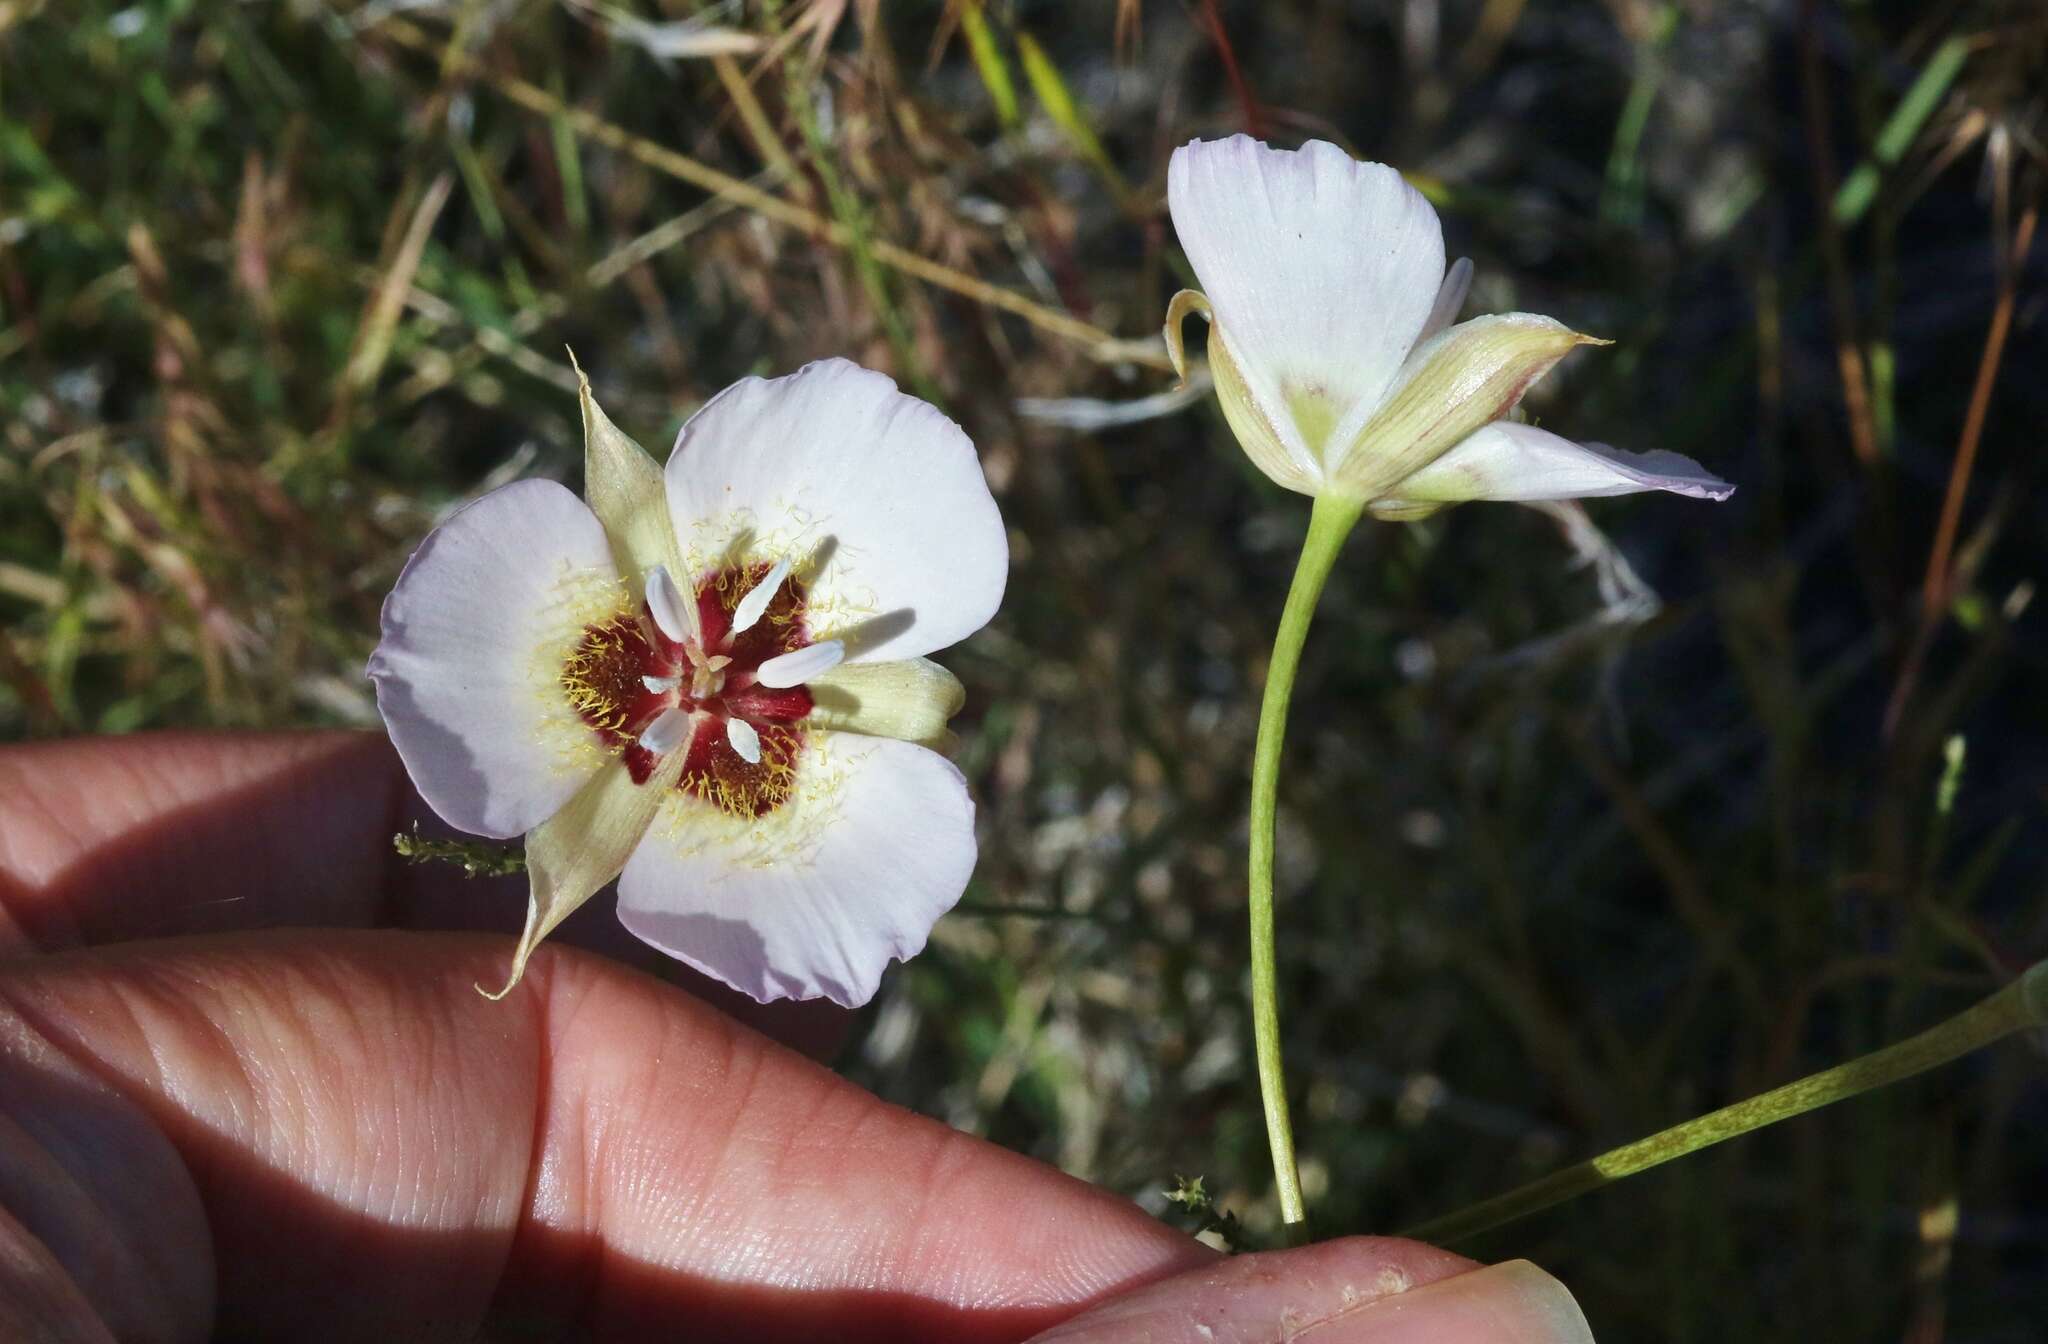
<point>2021,1004</point>
<point>1328,525</point>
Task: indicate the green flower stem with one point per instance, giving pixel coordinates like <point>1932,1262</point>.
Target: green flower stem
<point>1328,525</point>
<point>2021,1004</point>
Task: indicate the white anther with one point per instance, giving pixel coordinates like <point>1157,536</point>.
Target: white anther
<point>1450,299</point>
<point>671,614</point>
<point>744,740</point>
<point>670,729</point>
<point>800,665</point>
<point>661,685</point>
<point>755,604</point>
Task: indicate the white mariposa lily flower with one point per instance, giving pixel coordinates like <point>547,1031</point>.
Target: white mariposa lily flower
<point>709,682</point>
<point>1333,347</point>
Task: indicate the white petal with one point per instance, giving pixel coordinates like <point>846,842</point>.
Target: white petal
<point>1321,271</point>
<point>746,742</point>
<point>816,898</point>
<point>800,665</point>
<point>877,495</point>
<point>1509,461</point>
<point>755,604</point>
<point>1450,299</point>
<point>474,634</point>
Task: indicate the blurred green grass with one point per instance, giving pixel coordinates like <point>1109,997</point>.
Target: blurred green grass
<point>1583,831</point>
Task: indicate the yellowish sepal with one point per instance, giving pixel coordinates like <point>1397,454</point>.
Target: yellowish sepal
<point>1458,380</point>
<point>624,488</point>
<point>1403,510</point>
<point>1177,310</point>
<point>909,700</point>
<point>1248,421</point>
<point>583,846</point>
<point>1255,430</point>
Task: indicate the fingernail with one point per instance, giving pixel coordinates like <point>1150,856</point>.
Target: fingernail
<point>1511,1303</point>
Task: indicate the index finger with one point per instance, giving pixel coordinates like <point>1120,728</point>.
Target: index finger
<point>375,1152</point>
<point>108,839</point>
<point>155,835</point>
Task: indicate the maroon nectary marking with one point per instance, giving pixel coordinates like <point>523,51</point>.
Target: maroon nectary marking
<point>603,679</point>
<point>639,762</point>
<point>716,773</point>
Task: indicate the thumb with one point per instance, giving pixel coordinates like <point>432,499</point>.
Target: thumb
<point>1360,1290</point>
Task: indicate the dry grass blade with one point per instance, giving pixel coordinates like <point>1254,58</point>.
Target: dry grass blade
<point>1934,589</point>
<point>1095,342</point>
<point>373,342</point>
<point>1938,585</point>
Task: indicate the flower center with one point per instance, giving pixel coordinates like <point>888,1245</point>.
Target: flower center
<point>728,694</point>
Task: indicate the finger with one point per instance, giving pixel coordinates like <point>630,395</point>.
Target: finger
<point>107,839</point>
<point>154,835</point>
<point>160,834</point>
<point>379,1152</point>
<point>1362,1290</point>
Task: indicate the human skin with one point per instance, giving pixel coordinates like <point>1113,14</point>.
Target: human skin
<point>248,1091</point>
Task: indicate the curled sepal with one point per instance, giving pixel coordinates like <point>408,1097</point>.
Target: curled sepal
<point>909,699</point>
<point>583,846</point>
<point>1453,383</point>
<point>1177,310</point>
<point>623,487</point>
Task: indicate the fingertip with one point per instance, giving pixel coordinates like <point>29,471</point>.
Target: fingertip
<point>1513,1302</point>
<point>1311,1292</point>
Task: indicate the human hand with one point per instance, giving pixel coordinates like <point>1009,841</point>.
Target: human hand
<point>245,1094</point>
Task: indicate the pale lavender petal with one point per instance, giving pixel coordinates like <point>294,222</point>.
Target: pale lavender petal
<point>1510,461</point>
<point>1321,271</point>
<point>464,675</point>
<point>816,898</point>
<point>876,497</point>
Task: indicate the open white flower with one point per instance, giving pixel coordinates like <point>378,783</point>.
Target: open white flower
<point>1333,350</point>
<point>709,682</point>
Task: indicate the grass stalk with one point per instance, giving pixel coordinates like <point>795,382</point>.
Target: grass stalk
<point>2020,1004</point>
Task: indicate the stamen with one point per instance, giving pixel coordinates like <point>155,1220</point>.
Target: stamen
<point>671,614</point>
<point>755,604</point>
<point>800,665</point>
<point>670,729</point>
<point>744,740</point>
<point>660,685</point>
